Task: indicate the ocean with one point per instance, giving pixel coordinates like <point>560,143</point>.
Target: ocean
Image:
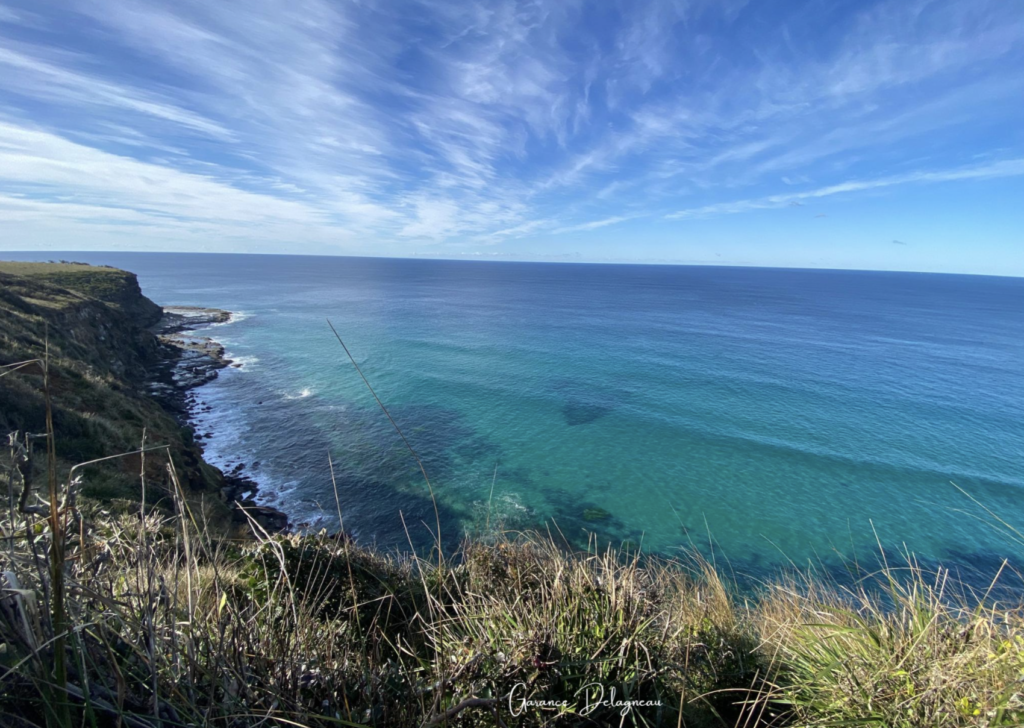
<point>765,417</point>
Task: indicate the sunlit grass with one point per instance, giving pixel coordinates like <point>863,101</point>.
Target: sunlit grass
<point>170,625</point>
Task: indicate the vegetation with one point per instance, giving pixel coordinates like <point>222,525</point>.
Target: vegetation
<point>912,655</point>
<point>141,611</point>
<point>117,288</point>
<point>165,624</point>
<point>100,358</point>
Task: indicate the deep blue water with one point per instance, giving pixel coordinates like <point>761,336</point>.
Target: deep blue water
<point>776,414</point>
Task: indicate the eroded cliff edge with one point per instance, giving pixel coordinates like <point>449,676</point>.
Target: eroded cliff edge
<point>120,372</point>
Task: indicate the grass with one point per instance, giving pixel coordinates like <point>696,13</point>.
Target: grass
<point>166,624</point>
<point>912,655</point>
<point>99,282</point>
<point>98,357</point>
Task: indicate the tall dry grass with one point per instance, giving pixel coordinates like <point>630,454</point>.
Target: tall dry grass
<point>166,625</point>
<point>911,650</point>
<point>150,620</point>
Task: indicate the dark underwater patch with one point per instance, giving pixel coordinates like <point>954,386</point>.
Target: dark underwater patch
<point>517,475</point>
<point>583,403</point>
<point>578,521</point>
<point>596,514</point>
<point>390,516</point>
<point>583,413</point>
<point>476,448</point>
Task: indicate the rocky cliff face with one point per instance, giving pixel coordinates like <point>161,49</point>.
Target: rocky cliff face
<point>94,323</point>
<point>125,295</point>
<point>81,328</point>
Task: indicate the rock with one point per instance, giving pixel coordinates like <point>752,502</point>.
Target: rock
<point>271,519</point>
<point>190,361</point>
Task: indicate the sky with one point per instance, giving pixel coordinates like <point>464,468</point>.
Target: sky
<point>843,134</point>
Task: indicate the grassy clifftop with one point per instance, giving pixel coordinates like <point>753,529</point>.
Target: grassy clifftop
<point>169,627</point>
<point>91,323</point>
<point>115,287</point>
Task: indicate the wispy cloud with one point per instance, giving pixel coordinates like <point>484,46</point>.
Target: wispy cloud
<point>70,186</point>
<point>42,81</point>
<point>1006,168</point>
<point>398,127</point>
<point>593,225</point>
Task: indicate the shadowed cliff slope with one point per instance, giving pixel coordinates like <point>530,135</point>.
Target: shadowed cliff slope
<point>93,321</point>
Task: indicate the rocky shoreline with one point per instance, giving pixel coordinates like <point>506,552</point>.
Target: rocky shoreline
<point>191,361</point>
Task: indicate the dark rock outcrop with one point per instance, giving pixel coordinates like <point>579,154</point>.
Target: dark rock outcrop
<point>116,380</point>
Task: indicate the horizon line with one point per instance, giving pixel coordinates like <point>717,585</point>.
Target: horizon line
<point>492,259</point>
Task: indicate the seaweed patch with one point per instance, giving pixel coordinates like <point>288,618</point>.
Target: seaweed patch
<point>583,413</point>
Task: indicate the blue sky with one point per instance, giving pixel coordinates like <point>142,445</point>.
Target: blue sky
<point>823,134</point>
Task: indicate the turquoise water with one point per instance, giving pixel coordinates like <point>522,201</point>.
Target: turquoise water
<point>771,415</point>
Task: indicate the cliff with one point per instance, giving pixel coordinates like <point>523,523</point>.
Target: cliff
<point>94,323</point>
<point>119,289</point>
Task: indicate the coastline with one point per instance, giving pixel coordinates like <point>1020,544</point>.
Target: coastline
<point>192,360</point>
<point>295,628</point>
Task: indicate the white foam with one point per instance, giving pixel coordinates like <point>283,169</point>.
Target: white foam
<point>233,318</point>
<point>307,392</point>
<point>512,501</point>
<point>242,362</point>
<point>225,449</point>
<point>186,313</point>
